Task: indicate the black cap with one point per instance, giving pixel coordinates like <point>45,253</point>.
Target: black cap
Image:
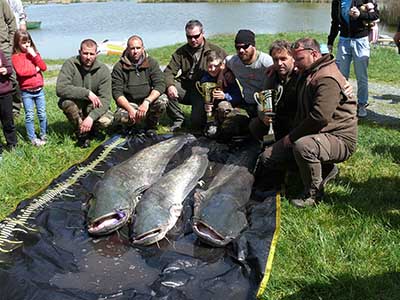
<point>245,36</point>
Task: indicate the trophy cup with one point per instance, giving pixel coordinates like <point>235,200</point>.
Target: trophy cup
<point>206,90</point>
<point>267,101</point>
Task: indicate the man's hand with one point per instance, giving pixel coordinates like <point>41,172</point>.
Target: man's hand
<point>354,12</point>
<point>132,113</point>
<point>267,120</point>
<point>348,90</point>
<point>208,108</point>
<point>95,100</point>
<point>86,125</point>
<point>218,94</point>
<point>172,92</point>
<point>286,142</point>
<point>3,70</point>
<point>142,110</point>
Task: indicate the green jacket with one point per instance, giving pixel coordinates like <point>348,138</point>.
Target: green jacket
<point>322,106</point>
<point>75,83</point>
<point>182,61</point>
<point>8,26</point>
<point>136,82</point>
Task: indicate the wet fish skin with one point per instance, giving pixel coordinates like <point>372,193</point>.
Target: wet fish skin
<point>117,194</point>
<point>219,212</point>
<point>161,205</point>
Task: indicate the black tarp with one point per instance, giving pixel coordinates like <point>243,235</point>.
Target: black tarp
<point>46,252</point>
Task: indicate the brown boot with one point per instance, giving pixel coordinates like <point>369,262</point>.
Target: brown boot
<point>306,200</point>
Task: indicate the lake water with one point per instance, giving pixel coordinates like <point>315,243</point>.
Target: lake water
<point>64,26</point>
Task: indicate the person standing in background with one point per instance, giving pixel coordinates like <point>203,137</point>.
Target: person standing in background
<point>8,27</point>
<point>6,116</point>
<point>19,13</point>
<point>352,19</point>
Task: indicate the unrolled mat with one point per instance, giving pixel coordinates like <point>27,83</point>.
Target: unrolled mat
<point>47,253</point>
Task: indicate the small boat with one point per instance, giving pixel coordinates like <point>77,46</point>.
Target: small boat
<point>112,47</point>
<point>33,25</point>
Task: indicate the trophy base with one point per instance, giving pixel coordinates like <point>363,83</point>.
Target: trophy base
<point>268,140</point>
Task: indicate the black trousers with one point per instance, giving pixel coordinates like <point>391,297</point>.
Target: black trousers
<point>7,121</point>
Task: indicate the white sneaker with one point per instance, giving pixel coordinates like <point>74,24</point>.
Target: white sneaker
<point>38,142</point>
<point>362,110</point>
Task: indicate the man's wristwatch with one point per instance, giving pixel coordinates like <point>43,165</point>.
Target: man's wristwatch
<point>147,100</point>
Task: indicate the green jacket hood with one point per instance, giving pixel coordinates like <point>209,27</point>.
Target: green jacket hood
<point>128,65</point>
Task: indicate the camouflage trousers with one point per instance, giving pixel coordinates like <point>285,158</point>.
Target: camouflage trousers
<point>156,109</point>
<point>77,111</point>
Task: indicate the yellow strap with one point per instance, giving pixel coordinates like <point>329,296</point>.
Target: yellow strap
<point>268,267</point>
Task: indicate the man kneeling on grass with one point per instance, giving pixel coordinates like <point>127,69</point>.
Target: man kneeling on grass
<point>137,86</point>
<point>325,127</point>
<point>84,88</point>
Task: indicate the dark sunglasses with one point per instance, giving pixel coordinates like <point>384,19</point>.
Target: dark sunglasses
<point>196,36</point>
<point>244,46</point>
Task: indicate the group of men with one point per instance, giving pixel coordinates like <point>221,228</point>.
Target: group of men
<point>315,124</point>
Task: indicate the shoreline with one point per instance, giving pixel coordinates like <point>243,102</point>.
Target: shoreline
<point>43,2</point>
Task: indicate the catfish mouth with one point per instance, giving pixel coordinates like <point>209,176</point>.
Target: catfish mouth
<point>108,223</point>
<point>149,237</point>
<point>209,235</point>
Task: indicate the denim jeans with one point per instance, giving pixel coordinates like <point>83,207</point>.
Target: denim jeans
<point>30,99</point>
<point>358,50</point>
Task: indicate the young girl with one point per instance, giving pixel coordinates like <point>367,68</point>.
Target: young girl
<point>6,114</point>
<point>29,67</point>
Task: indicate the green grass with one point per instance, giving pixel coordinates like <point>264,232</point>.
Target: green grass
<point>346,248</point>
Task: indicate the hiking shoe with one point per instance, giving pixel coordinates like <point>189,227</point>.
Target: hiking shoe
<point>151,133</point>
<point>362,110</point>
<point>38,142</point>
<point>43,137</point>
<point>176,126</point>
<point>304,201</point>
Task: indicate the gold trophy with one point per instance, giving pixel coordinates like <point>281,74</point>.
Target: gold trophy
<point>266,103</point>
<point>206,90</point>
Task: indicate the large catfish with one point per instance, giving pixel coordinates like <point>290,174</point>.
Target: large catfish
<point>219,212</point>
<point>161,205</point>
<point>116,195</point>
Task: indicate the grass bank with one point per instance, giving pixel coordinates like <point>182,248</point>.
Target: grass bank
<point>346,248</point>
